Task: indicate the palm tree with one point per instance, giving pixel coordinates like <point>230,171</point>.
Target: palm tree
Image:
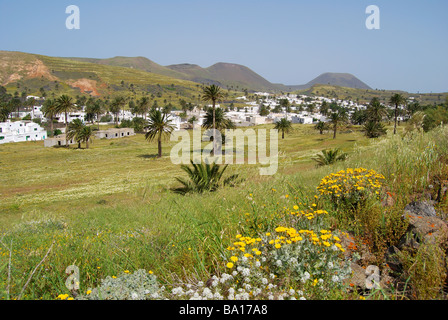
<point>65,104</point>
<point>397,99</point>
<point>74,131</point>
<point>85,135</point>
<point>159,125</point>
<point>376,111</point>
<point>329,157</point>
<point>115,108</point>
<point>321,126</point>
<point>374,129</point>
<point>284,126</point>
<point>203,177</point>
<point>50,110</point>
<point>213,93</point>
<point>337,118</point>
<point>221,122</point>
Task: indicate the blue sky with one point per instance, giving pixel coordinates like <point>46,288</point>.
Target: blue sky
<point>285,41</point>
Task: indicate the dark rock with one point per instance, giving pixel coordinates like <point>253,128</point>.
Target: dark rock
<point>424,208</point>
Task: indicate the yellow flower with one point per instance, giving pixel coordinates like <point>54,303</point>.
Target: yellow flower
<point>278,246</point>
<point>89,291</point>
<point>296,207</point>
<point>150,272</point>
<point>230,265</point>
<point>126,271</point>
<point>234,259</point>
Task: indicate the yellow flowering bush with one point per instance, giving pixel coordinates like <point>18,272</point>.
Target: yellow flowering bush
<point>303,259</point>
<point>351,186</point>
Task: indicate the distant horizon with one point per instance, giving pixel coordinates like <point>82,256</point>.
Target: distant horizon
<point>286,42</point>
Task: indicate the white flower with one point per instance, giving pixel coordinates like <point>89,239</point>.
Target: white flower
<point>330,264</point>
<point>207,293</point>
<point>264,281</point>
<point>302,298</point>
<point>278,263</point>
<point>271,297</point>
<point>306,276</point>
<point>231,291</point>
<point>291,291</point>
<point>246,272</point>
<point>335,278</point>
<point>134,296</point>
<point>178,291</point>
<point>257,264</point>
<point>234,273</point>
<point>200,284</point>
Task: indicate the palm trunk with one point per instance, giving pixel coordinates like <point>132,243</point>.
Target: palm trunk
<point>66,129</point>
<point>334,131</point>
<point>214,128</point>
<point>87,144</point>
<point>51,126</point>
<point>396,117</point>
<point>159,144</point>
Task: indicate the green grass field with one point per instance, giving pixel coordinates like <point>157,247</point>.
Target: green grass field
<point>109,210</point>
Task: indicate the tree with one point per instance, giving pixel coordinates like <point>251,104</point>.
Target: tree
<point>220,121</point>
<point>376,111</point>
<point>338,118</point>
<point>203,178</point>
<point>284,126</point>
<point>116,106</point>
<point>159,125</point>
<point>321,126</point>
<point>374,129</point>
<point>50,110</point>
<point>74,131</point>
<point>214,94</point>
<point>65,104</point>
<point>329,157</point>
<point>324,108</point>
<point>397,100</point>
<point>85,135</point>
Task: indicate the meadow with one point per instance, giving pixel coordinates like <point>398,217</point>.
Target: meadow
<point>109,211</point>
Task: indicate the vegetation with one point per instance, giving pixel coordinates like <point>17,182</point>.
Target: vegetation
<point>111,215</point>
<point>214,94</point>
<point>204,177</point>
<point>159,125</point>
<point>284,126</point>
<point>329,157</point>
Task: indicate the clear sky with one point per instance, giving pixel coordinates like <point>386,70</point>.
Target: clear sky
<point>285,41</point>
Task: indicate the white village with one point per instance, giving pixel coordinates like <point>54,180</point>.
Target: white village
<point>268,108</point>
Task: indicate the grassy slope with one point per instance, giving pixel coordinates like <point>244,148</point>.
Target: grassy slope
<point>106,79</point>
<point>125,220</point>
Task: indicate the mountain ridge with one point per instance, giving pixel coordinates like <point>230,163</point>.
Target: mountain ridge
<point>227,74</point>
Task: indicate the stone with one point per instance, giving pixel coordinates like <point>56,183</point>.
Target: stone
<point>424,208</point>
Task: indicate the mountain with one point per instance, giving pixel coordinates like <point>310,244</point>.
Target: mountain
<point>34,72</point>
<point>339,79</point>
<point>99,76</point>
<point>225,74</point>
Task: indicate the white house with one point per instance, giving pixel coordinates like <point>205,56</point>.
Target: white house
<point>20,131</point>
<point>302,119</point>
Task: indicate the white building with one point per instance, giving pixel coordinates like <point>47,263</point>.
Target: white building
<point>21,131</point>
